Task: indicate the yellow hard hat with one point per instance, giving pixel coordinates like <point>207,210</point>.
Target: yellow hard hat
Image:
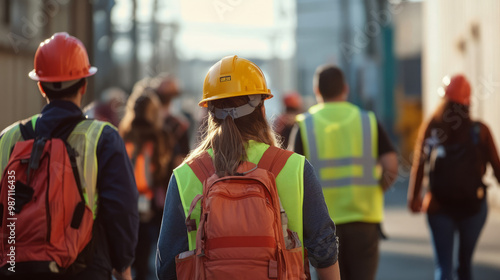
<point>233,76</point>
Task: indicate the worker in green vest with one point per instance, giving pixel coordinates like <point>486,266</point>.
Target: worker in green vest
<point>237,130</point>
<point>106,176</point>
<point>347,146</point>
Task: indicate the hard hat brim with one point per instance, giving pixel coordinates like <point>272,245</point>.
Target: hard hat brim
<point>34,76</point>
<point>203,103</point>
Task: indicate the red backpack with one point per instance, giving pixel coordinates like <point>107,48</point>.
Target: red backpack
<point>242,233</point>
<point>45,223</point>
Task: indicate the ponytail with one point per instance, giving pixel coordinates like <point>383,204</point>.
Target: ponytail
<point>229,148</point>
<point>228,137</point>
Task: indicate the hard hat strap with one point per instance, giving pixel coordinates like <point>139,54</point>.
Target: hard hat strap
<point>51,92</point>
<point>60,86</point>
<point>234,113</point>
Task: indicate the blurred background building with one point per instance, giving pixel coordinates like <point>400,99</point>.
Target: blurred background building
<point>23,25</point>
<point>394,52</point>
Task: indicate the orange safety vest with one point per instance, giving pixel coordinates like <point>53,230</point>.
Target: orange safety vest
<point>143,168</point>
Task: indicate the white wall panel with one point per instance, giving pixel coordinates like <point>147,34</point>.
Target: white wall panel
<point>451,46</point>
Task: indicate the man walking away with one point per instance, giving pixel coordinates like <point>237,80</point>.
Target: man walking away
<point>106,182</point>
<point>345,144</point>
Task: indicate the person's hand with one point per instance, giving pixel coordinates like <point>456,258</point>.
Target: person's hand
<point>415,204</point>
<point>124,275</point>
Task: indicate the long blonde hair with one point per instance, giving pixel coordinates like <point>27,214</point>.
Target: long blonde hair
<point>228,137</point>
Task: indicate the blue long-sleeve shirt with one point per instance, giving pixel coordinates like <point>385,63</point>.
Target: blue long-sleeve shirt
<point>319,230</point>
<point>117,219</point>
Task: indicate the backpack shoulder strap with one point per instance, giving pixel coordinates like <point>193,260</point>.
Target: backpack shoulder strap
<point>274,159</point>
<point>202,166</point>
<point>476,129</point>
<point>63,130</point>
<point>27,128</point>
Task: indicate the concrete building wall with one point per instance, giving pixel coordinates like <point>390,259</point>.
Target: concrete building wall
<point>23,25</point>
<point>461,36</point>
<point>20,97</point>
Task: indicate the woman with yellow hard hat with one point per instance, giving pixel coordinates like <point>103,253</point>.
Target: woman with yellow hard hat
<point>237,131</point>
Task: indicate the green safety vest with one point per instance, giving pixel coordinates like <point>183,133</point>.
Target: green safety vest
<point>83,139</point>
<point>290,184</point>
<point>340,141</point>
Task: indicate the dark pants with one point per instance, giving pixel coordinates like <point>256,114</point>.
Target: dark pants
<point>445,232</point>
<point>147,239</point>
<point>358,250</point>
<point>143,251</point>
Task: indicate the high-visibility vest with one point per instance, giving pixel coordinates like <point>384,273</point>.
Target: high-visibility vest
<point>143,167</point>
<point>340,141</point>
<point>83,139</point>
<point>290,184</point>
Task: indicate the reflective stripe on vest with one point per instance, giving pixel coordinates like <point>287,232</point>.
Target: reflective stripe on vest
<point>340,141</point>
<point>290,184</point>
<point>83,139</point>
<point>366,160</point>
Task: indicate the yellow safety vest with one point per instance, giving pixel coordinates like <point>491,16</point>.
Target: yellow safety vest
<point>340,141</point>
<point>290,184</point>
<point>83,139</point>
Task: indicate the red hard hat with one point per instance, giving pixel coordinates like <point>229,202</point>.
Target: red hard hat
<point>292,100</point>
<point>61,58</point>
<point>458,90</point>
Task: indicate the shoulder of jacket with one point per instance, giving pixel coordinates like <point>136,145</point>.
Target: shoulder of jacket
<point>10,128</point>
<point>96,127</point>
<point>101,123</point>
<point>182,167</point>
<point>480,124</point>
<point>295,157</point>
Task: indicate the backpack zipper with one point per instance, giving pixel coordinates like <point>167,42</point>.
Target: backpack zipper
<point>47,206</point>
<point>239,197</point>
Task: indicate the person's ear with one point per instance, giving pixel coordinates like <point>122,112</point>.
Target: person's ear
<point>40,88</point>
<point>83,88</point>
<point>316,91</point>
<point>317,94</point>
<point>346,89</point>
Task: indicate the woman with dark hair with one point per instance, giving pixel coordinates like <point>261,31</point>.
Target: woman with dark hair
<point>149,150</point>
<point>237,134</point>
<point>450,160</point>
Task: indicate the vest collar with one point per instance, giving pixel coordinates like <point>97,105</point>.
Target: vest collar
<point>331,106</point>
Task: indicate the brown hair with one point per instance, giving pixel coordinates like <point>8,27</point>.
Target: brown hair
<point>229,137</point>
<point>452,121</point>
<point>138,128</point>
<point>329,80</point>
<point>69,92</point>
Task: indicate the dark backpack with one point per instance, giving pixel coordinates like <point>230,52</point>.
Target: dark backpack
<point>455,176</point>
<point>45,223</point>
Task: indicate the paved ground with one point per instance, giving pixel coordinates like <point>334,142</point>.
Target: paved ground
<point>407,254</point>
